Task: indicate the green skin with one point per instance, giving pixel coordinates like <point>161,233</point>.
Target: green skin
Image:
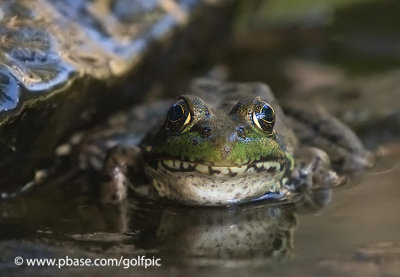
<point>217,149</point>
<point>224,145</point>
<point>222,137</point>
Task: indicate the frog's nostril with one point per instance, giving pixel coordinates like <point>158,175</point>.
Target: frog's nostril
<point>203,130</point>
<point>206,131</point>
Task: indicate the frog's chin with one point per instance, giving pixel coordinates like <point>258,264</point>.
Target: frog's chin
<point>230,171</point>
<point>200,184</point>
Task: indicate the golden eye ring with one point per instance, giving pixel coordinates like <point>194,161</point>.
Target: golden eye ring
<point>263,116</point>
<point>178,115</point>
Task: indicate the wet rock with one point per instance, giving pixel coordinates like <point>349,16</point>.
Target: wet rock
<point>65,63</point>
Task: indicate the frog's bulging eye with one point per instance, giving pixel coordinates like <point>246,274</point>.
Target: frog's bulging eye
<point>178,116</point>
<point>263,116</point>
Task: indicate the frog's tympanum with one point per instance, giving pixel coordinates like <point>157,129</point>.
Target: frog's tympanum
<point>224,143</point>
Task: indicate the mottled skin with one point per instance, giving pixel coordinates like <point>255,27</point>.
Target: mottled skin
<point>222,133</point>
<point>220,156</point>
<point>217,152</point>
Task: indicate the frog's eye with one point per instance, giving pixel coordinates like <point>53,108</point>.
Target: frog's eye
<point>263,115</point>
<point>178,116</point>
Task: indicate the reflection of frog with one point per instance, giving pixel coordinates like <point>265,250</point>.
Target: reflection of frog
<point>239,235</point>
<point>227,143</point>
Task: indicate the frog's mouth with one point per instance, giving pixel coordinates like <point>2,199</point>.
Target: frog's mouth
<point>271,167</point>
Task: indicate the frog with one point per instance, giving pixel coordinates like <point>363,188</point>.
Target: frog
<point>219,144</point>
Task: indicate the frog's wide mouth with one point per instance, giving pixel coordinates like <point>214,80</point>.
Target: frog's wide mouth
<point>173,165</point>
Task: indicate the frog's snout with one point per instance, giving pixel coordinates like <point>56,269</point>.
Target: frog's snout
<point>204,130</point>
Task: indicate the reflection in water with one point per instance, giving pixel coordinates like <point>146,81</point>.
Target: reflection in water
<point>256,233</point>
<point>253,233</point>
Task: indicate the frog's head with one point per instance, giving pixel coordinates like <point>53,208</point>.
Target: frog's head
<point>207,147</point>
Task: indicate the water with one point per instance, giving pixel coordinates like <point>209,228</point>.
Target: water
<point>355,235</point>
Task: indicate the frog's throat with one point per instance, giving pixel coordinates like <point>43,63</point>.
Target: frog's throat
<point>271,167</point>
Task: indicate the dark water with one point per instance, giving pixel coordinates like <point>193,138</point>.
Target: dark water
<point>355,235</point>
<point>338,62</point>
